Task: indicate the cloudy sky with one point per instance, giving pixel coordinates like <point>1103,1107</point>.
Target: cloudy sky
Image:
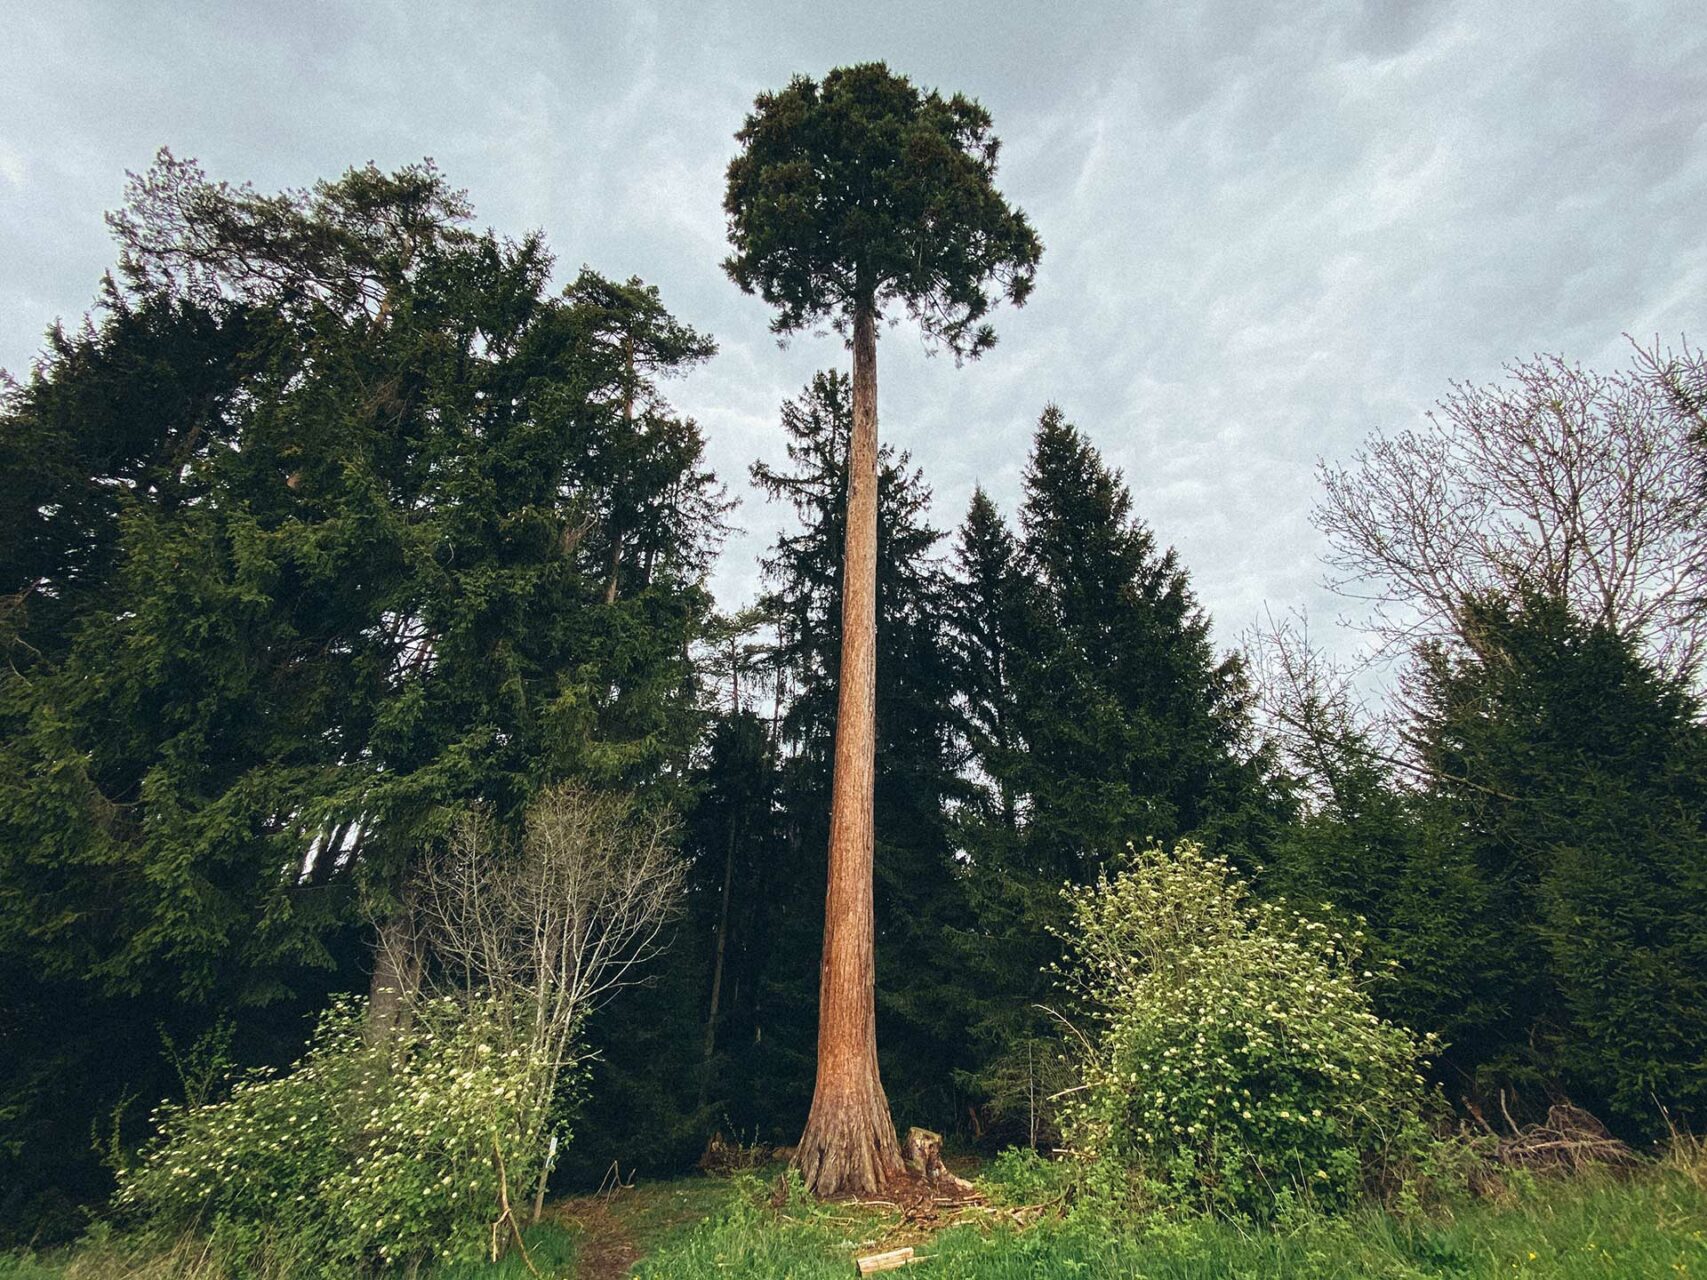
<point>1270,228</point>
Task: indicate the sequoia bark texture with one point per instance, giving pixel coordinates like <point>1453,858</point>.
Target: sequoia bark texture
<point>849,1147</point>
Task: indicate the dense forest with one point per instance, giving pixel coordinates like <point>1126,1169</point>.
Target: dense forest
<point>347,554</point>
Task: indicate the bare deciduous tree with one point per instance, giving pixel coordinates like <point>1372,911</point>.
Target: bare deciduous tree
<point>1680,376</point>
<point>545,933</point>
<point>1579,484</point>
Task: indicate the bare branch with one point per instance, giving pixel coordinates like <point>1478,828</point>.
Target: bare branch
<point>545,933</point>
<point>1582,485</point>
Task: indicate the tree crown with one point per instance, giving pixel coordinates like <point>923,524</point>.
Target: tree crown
<point>865,190</point>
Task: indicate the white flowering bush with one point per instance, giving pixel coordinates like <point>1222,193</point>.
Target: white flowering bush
<point>1234,1062</point>
<point>424,1136</point>
<point>361,1154</point>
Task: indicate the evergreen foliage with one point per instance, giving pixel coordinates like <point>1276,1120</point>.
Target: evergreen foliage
<point>322,565</point>
<point>1132,724</point>
<point>1570,773</point>
<point>336,522</point>
<point>667,1074</point>
<point>1096,709</point>
<point>863,190</point>
<point>1538,880</point>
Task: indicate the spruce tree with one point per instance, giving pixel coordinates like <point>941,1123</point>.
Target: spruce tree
<point>987,617</point>
<point>1099,713</point>
<point>1135,729</point>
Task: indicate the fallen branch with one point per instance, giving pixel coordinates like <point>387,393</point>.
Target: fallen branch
<point>1570,1137</point>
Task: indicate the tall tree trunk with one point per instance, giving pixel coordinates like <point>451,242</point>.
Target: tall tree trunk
<point>849,1146</point>
<point>396,974</point>
<point>717,964</point>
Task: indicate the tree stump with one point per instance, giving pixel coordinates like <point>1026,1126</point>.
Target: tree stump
<point>922,1153</point>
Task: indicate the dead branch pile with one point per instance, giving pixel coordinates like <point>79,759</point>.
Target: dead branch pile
<point>1568,1141</point>
<point>723,1157</point>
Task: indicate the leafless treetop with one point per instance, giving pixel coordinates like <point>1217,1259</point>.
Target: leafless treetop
<point>1579,484</point>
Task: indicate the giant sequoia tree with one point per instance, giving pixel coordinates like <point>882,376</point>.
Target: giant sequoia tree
<point>850,196</point>
<point>918,893</point>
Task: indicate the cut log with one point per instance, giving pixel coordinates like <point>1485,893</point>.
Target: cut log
<point>894,1260</point>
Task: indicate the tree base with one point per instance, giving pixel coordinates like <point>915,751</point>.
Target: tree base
<point>849,1148</point>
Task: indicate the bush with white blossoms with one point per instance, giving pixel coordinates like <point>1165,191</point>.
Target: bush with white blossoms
<point>424,1135</point>
<point>361,1153</point>
<point>1234,1063</point>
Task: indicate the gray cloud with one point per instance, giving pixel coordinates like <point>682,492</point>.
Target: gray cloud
<point>1270,228</point>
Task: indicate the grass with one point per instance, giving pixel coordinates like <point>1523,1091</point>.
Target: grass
<point>104,1255</point>
<point>1591,1226</point>
<point>1653,1224</point>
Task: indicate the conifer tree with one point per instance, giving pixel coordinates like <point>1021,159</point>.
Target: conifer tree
<point>315,573</point>
<point>1570,773</point>
<point>1113,720</point>
<point>848,197</point>
<point>987,617</point>
<point>1134,728</point>
<point>1380,856</point>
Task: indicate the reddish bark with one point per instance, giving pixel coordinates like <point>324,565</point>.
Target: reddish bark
<point>849,1147</point>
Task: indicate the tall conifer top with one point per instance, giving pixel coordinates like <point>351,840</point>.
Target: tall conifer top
<point>864,190</point>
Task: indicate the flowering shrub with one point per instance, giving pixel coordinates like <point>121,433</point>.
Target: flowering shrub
<point>360,1154</point>
<point>1235,1064</point>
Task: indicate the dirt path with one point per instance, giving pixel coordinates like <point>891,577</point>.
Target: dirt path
<point>616,1229</point>
<point>606,1248</point>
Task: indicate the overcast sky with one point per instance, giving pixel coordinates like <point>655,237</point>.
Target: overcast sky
<point>1270,228</point>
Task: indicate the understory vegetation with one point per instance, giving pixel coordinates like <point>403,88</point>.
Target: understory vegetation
<point>1234,1064</point>
<point>359,1153</point>
<point>1603,1227</point>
